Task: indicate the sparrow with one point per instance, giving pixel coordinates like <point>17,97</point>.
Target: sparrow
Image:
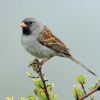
<point>40,42</point>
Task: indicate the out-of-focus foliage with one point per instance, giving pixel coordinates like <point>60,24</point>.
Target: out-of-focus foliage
<point>81,79</point>
<point>79,90</point>
<point>9,98</point>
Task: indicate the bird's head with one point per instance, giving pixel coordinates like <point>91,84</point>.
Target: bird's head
<point>31,26</point>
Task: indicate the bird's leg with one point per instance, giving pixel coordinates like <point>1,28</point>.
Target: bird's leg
<point>45,60</point>
<point>39,63</point>
<point>36,61</point>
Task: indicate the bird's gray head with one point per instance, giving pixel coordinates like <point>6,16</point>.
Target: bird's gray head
<point>31,26</point>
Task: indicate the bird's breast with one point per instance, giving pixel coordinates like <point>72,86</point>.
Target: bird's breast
<point>32,45</point>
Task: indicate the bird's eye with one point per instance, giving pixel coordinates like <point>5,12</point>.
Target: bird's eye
<point>30,22</point>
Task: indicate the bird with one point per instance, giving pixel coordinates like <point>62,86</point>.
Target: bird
<point>39,41</point>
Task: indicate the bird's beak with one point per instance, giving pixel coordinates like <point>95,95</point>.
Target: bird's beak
<point>23,25</point>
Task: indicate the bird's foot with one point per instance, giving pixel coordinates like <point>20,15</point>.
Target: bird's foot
<point>36,65</point>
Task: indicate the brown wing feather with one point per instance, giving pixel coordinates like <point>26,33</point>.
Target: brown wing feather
<point>48,39</point>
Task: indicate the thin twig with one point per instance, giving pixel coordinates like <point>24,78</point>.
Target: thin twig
<point>88,94</point>
<point>45,87</point>
<point>37,67</point>
<point>83,89</point>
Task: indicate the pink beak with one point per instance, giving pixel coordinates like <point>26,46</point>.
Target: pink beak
<point>23,25</point>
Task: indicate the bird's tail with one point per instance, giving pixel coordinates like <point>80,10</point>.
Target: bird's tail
<point>81,64</point>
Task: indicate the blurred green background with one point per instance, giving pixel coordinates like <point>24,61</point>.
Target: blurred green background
<point>76,22</point>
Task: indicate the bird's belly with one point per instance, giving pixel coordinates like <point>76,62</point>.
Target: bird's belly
<point>37,49</point>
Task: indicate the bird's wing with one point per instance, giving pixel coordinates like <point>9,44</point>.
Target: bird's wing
<point>47,39</point>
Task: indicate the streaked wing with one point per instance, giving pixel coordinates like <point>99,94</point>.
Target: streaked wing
<point>47,39</point>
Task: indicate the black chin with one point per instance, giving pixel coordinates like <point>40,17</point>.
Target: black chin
<point>26,31</point>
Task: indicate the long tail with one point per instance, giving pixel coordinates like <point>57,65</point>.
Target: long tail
<point>79,63</point>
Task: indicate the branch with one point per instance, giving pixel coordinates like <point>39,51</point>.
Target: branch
<point>89,93</point>
<point>45,87</point>
<point>36,65</point>
<point>83,89</point>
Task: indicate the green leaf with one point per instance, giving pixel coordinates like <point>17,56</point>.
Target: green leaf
<point>81,79</point>
<point>39,91</point>
<point>49,87</point>
<point>43,97</point>
<point>38,82</point>
<point>53,97</point>
<point>21,98</point>
<point>96,86</point>
<point>29,73</point>
<point>9,98</point>
<point>77,92</point>
<point>40,94</point>
<point>30,98</point>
